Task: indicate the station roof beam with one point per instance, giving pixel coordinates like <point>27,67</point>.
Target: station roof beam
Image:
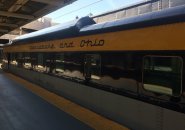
<point>3,30</point>
<point>16,13</point>
<point>50,2</point>
<point>9,25</point>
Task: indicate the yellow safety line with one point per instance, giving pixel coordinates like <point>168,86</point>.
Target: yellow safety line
<point>86,116</point>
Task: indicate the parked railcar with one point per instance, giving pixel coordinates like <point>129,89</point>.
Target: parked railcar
<point>129,70</point>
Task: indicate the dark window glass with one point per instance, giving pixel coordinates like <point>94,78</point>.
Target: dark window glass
<point>48,60</point>
<point>40,59</point>
<point>52,62</point>
<point>13,59</point>
<point>59,64</point>
<point>5,58</point>
<point>20,59</point>
<point>73,65</point>
<point>121,65</point>
<point>40,63</point>
<point>27,61</point>
<point>34,60</point>
<point>1,56</point>
<point>163,75</point>
<point>120,70</point>
<point>92,66</point>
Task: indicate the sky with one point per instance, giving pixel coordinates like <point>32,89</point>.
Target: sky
<point>82,8</point>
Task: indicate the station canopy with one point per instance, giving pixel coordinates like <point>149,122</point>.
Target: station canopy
<point>16,13</point>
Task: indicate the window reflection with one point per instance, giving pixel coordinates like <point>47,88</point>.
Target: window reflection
<point>59,64</point>
<point>92,66</point>
<point>163,75</point>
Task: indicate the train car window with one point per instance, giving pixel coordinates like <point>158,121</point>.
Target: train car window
<point>48,62</point>
<point>40,63</point>
<point>59,64</point>
<point>20,59</point>
<point>40,59</point>
<point>1,56</point>
<point>163,75</point>
<point>92,66</point>
<point>34,60</point>
<point>73,65</point>
<point>13,59</point>
<point>52,63</point>
<point>5,59</point>
<point>120,71</point>
<point>27,61</point>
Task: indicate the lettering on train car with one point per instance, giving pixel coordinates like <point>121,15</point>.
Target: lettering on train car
<point>66,45</point>
<point>46,46</point>
<point>90,43</point>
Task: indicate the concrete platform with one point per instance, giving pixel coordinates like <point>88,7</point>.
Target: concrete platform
<point>20,109</point>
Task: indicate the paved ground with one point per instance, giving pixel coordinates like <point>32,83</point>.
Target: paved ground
<point>22,110</point>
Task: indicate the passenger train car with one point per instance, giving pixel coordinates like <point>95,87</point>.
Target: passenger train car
<point>129,70</point>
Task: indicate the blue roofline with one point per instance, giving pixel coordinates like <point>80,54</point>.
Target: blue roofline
<point>87,26</point>
<point>165,16</point>
<point>47,33</point>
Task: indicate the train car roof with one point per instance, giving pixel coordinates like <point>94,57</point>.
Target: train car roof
<point>55,32</point>
<point>166,16</point>
<point>87,26</point>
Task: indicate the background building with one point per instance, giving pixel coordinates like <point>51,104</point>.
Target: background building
<point>138,9</point>
<point>36,25</point>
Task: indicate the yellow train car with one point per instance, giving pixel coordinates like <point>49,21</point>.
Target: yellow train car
<point>130,70</point>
